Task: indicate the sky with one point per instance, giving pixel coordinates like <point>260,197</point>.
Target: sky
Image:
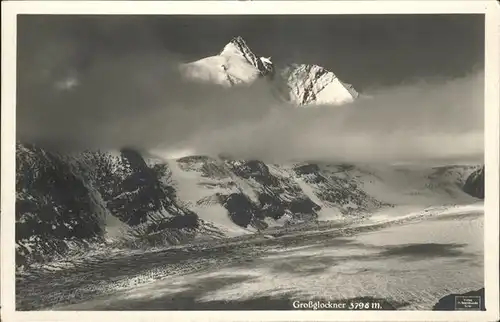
<point>365,50</point>
<point>422,75</point>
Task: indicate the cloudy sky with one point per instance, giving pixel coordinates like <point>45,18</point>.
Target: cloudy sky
<point>365,50</point>
<point>423,75</point>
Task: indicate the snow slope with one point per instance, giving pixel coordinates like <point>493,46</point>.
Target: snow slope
<point>338,190</point>
<point>102,196</point>
<point>222,70</point>
<point>235,64</point>
<point>312,84</point>
<point>65,202</point>
<point>411,266</point>
<point>280,195</point>
<point>149,200</point>
<point>200,192</point>
<point>299,84</point>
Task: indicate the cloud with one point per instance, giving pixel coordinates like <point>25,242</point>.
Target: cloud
<point>423,121</point>
<point>139,99</point>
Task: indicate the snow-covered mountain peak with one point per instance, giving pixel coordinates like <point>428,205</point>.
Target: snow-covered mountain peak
<point>237,46</point>
<point>235,64</point>
<point>313,84</point>
<point>299,84</point>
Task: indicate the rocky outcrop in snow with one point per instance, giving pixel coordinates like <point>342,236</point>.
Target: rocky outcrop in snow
<point>312,84</point>
<point>55,205</point>
<point>236,64</point>
<point>64,202</point>
<point>475,184</point>
<point>249,192</point>
<point>67,201</point>
<point>298,84</point>
<point>337,191</point>
<point>238,47</point>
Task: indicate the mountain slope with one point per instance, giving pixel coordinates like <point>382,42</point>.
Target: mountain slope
<point>235,64</point>
<point>298,84</point>
<point>55,206</point>
<point>250,192</point>
<point>67,201</point>
<point>305,192</point>
<point>475,184</point>
<point>238,47</point>
<point>131,199</point>
<point>312,84</point>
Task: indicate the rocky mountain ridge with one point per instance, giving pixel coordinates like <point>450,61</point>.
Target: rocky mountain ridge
<point>298,84</point>
<point>131,199</point>
<point>238,46</point>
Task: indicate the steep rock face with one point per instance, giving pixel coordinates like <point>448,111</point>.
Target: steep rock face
<point>298,84</point>
<point>241,210</point>
<point>336,188</point>
<point>255,195</point>
<point>250,191</point>
<point>65,201</point>
<point>55,205</point>
<point>236,64</point>
<point>474,185</point>
<point>238,47</point>
<point>312,84</point>
<point>276,194</point>
<point>139,192</point>
<point>135,191</point>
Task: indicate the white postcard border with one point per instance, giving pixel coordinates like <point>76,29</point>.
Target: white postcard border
<point>492,94</point>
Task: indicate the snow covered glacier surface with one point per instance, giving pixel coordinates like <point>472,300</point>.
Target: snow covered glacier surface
<point>409,266</point>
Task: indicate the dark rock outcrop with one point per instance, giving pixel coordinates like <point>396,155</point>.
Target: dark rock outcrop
<point>344,193</point>
<point>277,195</point>
<point>249,191</point>
<point>241,210</point>
<point>305,82</point>
<point>264,68</point>
<point>55,205</point>
<point>66,200</point>
<point>63,201</point>
<point>474,185</point>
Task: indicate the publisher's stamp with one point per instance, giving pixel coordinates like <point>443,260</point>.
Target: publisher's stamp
<point>472,303</point>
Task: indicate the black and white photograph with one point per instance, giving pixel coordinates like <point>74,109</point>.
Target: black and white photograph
<point>250,162</point>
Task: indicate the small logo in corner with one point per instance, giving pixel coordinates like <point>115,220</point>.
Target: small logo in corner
<point>472,303</point>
